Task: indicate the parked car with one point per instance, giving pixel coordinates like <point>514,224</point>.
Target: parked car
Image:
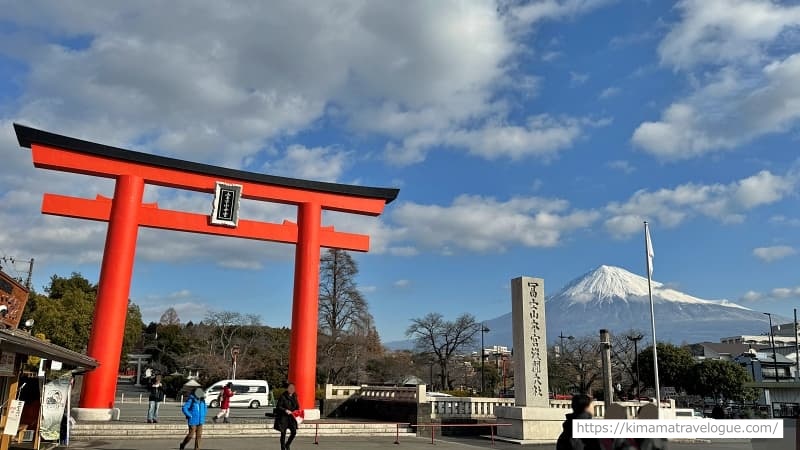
<point>246,393</point>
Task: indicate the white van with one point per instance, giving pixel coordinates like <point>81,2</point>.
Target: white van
<point>246,393</point>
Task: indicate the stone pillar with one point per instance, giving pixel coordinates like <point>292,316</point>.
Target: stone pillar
<point>605,350</point>
<point>531,418</point>
<point>530,342</point>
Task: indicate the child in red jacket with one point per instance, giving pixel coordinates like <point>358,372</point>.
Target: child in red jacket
<point>225,404</point>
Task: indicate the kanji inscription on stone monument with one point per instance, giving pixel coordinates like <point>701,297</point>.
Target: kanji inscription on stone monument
<point>530,341</point>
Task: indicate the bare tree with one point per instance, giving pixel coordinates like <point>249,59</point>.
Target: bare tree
<point>443,339</point>
<point>170,317</point>
<point>226,327</point>
<point>344,321</point>
<point>577,367</point>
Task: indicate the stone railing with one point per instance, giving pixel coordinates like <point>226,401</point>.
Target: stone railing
<point>466,407</point>
<point>340,392</point>
<point>401,394</point>
<point>598,408</point>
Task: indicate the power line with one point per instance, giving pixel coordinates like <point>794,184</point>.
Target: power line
<point>28,273</point>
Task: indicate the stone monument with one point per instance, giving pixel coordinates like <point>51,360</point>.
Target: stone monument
<point>532,420</point>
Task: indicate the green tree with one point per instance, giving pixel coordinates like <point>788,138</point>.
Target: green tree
<point>65,314</point>
<point>674,364</point>
<point>719,379</point>
<point>443,339</point>
<point>133,330</point>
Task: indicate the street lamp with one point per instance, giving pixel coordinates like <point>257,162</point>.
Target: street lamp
<point>484,330</point>
<point>562,337</point>
<point>635,339</point>
<point>774,353</point>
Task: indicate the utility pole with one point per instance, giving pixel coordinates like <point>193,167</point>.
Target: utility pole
<point>28,273</point>
<point>561,347</point>
<point>483,384</point>
<point>796,349</point>
<point>774,353</point>
<point>635,339</point>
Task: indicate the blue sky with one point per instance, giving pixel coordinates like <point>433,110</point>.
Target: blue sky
<point>526,138</point>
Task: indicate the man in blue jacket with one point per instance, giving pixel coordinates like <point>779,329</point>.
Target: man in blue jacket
<point>195,411</point>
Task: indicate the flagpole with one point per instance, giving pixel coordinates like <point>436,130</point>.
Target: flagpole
<point>648,255</point>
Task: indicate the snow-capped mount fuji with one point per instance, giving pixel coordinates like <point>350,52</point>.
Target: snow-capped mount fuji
<point>615,299</point>
<point>609,284</point>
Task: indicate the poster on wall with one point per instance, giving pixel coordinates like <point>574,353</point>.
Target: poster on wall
<point>14,416</point>
<point>7,360</point>
<point>55,401</point>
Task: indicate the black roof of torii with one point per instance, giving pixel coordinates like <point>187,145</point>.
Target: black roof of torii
<point>28,136</point>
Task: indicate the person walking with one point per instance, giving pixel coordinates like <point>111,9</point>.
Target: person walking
<point>581,405</point>
<point>155,398</point>
<point>284,416</point>
<point>195,411</point>
<point>224,404</point>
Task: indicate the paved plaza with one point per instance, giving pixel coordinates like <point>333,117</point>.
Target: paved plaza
<point>307,443</point>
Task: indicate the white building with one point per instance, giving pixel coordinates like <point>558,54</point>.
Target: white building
<point>759,340</point>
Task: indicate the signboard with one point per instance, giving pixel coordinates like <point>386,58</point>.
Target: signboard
<point>14,416</point>
<point>13,296</point>
<point>225,209</point>
<point>7,360</point>
<point>55,401</point>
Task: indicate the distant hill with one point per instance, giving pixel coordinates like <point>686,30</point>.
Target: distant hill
<point>615,299</point>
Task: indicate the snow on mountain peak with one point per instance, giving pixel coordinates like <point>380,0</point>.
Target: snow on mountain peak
<point>607,284</point>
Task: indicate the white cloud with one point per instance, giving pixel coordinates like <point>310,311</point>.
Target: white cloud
<point>775,253</point>
<point>609,92</point>
<point>775,294</point>
<point>368,289</point>
<point>219,96</point>
<point>743,76</point>
<point>484,224</point>
<point>543,136</point>
<point>531,12</point>
<point>725,202</point>
<point>577,78</point>
<point>783,220</point>
<point>319,163</point>
<point>725,31</point>
<point>752,296</point>
<point>621,165</point>
<point>188,306</point>
<point>402,284</point>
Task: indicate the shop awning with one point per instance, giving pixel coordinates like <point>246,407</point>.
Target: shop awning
<point>23,343</point>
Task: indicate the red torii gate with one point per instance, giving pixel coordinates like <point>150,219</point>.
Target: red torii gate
<point>126,212</point>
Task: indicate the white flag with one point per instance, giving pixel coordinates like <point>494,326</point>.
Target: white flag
<point>650,253</point>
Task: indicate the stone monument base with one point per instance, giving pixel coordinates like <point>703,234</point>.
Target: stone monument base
<point>95,414</point>
<point>311,414</point>
<point>529,424</point>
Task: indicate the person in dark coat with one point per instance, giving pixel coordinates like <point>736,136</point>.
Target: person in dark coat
<point>718,412</point>
<point>581,405</point>
<point>634,444</point>
<point>155,397</point>
<point>284,416</point>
